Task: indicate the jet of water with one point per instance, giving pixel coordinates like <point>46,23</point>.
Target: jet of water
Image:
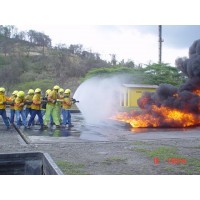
<point>99,98</point>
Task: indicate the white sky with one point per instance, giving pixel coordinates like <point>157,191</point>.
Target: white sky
<point>124,41</point>
<point>76,22</point>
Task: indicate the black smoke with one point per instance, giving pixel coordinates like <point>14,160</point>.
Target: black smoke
<point>191,67</point>
<point>182,98</point>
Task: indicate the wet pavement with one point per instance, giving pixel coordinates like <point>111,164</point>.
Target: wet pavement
<point>105,131</point>
<point>80,132</point>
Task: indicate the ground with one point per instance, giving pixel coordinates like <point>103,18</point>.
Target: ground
<point>109,150</point>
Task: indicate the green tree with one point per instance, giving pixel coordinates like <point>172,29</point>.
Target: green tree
<point>162,73</point>
<point>130,75</point>
<point>152,74</point>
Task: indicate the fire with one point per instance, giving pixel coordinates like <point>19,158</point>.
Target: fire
<point>197,92</point>
<point>159,117</point>
<point>175,95</point>
<point>170,106</point>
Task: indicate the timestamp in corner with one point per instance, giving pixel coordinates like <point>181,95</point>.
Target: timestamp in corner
<point>173,161</point>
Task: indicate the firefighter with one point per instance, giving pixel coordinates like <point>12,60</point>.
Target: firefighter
<point>67,104</point>
<point>19,109</point>
<point>12,109</point>
<point>36,108</point>
<point>51,107</point>
<point>28,102</point>
<point>3,100</point>
<point>59,104</point>
<point>44,103</point>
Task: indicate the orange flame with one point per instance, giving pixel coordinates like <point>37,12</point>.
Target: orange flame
<point>159,117</point>
<point>197,92</point>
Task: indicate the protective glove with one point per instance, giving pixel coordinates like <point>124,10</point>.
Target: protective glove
<point>21,104</point>
<point>54,101</point>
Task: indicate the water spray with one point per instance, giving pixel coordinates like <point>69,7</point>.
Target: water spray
<point>99,98</point>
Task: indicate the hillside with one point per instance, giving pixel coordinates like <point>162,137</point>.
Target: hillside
<point>27,60</point>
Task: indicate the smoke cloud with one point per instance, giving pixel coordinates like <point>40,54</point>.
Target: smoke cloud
<point>191,67</point>
<point>184,97</point>
<point>170,106</point>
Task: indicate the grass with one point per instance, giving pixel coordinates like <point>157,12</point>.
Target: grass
<point>162,152</point>
<point>69,168</point>
<point>140,150</point>
<point>169,169</point>
<point>192,165</point>
<point>197,147</point>
<point>139,143</point>
<point>115,160</point>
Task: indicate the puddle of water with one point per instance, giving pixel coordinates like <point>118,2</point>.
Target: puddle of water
<point>108,130</point>
<point>104,131</point>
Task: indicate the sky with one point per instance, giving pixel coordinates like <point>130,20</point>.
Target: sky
<point>138,43</point>
<point>130,31</point>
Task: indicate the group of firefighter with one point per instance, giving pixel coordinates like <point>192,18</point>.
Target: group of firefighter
<point>49,108</point>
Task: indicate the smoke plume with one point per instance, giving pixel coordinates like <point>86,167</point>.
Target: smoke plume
<point>182,98</point>
<point>170,106</point>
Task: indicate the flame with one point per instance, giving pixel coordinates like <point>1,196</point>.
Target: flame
<point>154,114</point>
<point>175,95</point>
<point>159,117</point>
<point>197,92</point>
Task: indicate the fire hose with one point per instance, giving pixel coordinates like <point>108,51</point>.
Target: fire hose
<point>61,100</point>
<point>18,131</point>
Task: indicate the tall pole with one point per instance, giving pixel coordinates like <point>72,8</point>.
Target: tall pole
<point>160,43</point>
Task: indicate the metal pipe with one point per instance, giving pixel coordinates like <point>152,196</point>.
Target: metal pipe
<point>160,43</point>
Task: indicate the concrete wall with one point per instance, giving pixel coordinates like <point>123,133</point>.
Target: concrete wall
<point>31,163</point>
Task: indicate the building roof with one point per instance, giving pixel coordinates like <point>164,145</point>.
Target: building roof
<point>139,86</point>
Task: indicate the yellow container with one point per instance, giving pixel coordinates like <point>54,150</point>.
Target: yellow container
<point>132,92</point>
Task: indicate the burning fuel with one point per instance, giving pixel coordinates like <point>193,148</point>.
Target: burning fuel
<point>170,106</point>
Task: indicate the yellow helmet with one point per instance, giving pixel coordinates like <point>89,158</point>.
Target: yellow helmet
<point>15,92</point>
<point>31,91</point>
<point>2,89</point>
<point>61,90</point>
<point>48,91</point>
<point>37,90</point>
<point>56,87</point>
<point>20,94</point>
<point>67,91</point>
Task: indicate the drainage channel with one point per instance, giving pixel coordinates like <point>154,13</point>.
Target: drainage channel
<point>19,132</point>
